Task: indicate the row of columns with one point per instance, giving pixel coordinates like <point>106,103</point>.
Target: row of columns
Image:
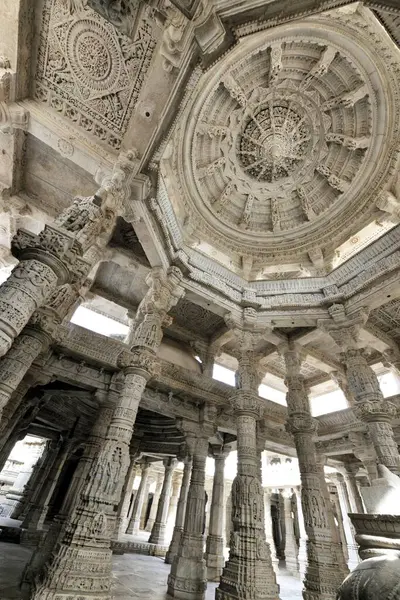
<point>33,301</point>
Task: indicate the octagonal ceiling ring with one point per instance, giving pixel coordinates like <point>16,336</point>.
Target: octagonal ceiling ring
<point>280,137</point>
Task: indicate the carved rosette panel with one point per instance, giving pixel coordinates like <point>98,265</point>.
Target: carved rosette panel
<point>278,138</point>
<point>88,71</point>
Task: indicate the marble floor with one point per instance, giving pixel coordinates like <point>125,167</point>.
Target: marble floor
<point>134,576</point>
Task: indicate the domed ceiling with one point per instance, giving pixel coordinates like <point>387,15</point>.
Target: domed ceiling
<point>284,144</point>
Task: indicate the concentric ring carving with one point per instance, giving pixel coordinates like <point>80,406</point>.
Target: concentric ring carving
<point>93,55</point>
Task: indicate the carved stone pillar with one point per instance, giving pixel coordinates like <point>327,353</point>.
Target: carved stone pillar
<point>134,523</point>
<point>356,502</point>
<point>248,573</point>
<point>126,497</point>
<point>15,494</point>
<point>157,535</point>
<point>173,504</point>
<point>291,550</point>
<point>180,512</point>
<point>92,522</point>
<point>156,498</point>
<point>268,528</point>
<point>364,451</point>
<point>372,408</point>
<point>34,515</point>
<point>145,504</point>
<point>369,403</point>
<point>325,567</point>
<point>188,577</point>
<point>215,541</point>
<point>55,255</point>
<point>56,531</point>
<point>34,481</point>
<point>344,503</point>
<point>302,555</point>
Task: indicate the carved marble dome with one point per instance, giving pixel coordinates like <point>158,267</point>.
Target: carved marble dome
<point>272,153</point>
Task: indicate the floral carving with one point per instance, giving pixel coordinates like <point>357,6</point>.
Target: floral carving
<point>90,72</point>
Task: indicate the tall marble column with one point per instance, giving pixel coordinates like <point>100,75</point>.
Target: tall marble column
<point>302,555</point>
<point>180,512</point>
<point>215,540</point>
<point>156,498</point>
<point>248,573</point>
<point>268,528</point>
<point>87,535</point>
<point>188,577</point>
<point>145,505</point>
<point>173,504</point>
<point>134,522</point>
<point>37,512</point>
<point>369,404</point>
<point>157,535</point>
<point>291,549</point>
<point>326,567</point>
<point>339,481</point>
<point>55,255</point>
<point>91,449</point>
<point>356,502</point>
<point>34,481</point>
<point>15,494</point>
<point>123,507</point>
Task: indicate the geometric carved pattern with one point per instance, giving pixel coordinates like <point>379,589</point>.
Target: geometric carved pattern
<point>274,143</point>
<point>88,71</point>
<point>196,318</point>
<point>387,319</point>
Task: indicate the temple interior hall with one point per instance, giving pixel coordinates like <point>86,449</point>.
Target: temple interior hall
<point>199,300</point>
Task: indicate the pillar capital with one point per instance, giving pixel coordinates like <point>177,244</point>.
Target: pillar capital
<point>219,451</point>
<point>344,328</point>
<point>152,313</point>
<point>139,361</point>
<point>376,410</point>
<point>301,423</point>
<point>247,402</point>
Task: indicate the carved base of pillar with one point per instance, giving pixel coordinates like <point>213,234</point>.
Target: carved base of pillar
<point>188,577</point>
<point>133,528</point>
<point>323,572</point>
<point>157,535</point>
<point>214,557</point>
<point>292,565</point>
<point>248,574</point>
<point>149,525</point>
<point>77,573</point>
<point>174,545</point>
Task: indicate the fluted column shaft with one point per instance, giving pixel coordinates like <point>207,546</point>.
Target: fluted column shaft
<point>157,535</point>
<point>188,580</point>
<point>326,568</point>
<point>154,506</point>
<point>134,523</point>
<point>215,541</point>
<point>180,512</point>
